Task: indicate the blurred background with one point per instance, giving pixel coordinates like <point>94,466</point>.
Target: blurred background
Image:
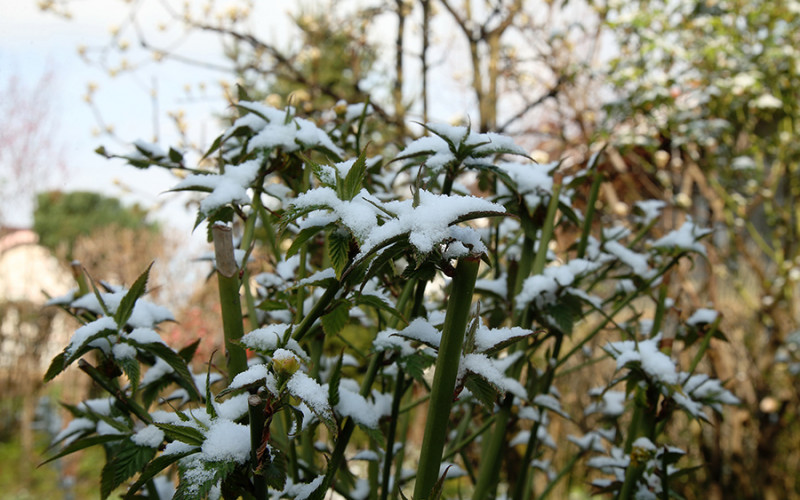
<point>697,101</point>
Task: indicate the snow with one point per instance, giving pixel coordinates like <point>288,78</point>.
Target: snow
<point>439,152</point>
<point>612,404</point>
<point>590,441</point>
<point>428,223</point>
<point>644,444</point>
<point>421,330</point>
<point>636,261</point>
<point>123,351</point>
<point>309,390</point>
<point>87,331</point>
<point>304,490</point>
<point>542,289</point>
<point>233,407</point>
<point>684,238</point>
<point>534,181</point>
<point>487,338</point>
<point>497,286</point>
<point>354,405</point>
<point>145,336</point>
<point>149,436</point>
<point>226,441</point>
<point>655,363</point>
<point>453,471</point>
<point>155,372</point>
<point>177,447</point>
<point>366,455</point>
<point>389,340</point>
<point>549,402</point>
<point>325,274</point>
<point>145,314</point>
<point>253,374</point>
<point>73,429</point>
<point>702,316</point>
<point>651,210</point>
<point>481,365</point>
<point>230,187</point>
<point>269,338</point>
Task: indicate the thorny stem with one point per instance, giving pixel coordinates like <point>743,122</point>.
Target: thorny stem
<point>230,301</point>
<point>255,407</point>
<point>444,380</point>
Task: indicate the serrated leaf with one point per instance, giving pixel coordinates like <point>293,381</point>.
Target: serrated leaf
<point>374,434</point>
<point>210,410</point>
<point>379,304</point>
<point>132,370</point>
<point>216,472</point>
<point>352,183</point>
<point>214,146</point>
<point>184,376</point>
<point>57,366</point>
<point>274,470</point>
<point>128,302</point>
<point>301,238</point>
<point>333,383</point>
<point>482,390</point>
<point>182,433</point>
<point>82,443</point>
<point>337,318</point>
<point>416,364</point>
<point>565,312</point>
<point>127,461</point>
<point>339,250</point>
<point>187,353</point>
<point>152,469</point>
<point>436,493</point>
<point>175,155</point>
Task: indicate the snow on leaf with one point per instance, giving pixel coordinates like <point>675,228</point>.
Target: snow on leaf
<point>684,238</point>
<point>645,354</point>
<point>230,187</point>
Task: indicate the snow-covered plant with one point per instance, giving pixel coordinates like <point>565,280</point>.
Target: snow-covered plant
<point>449,287</point>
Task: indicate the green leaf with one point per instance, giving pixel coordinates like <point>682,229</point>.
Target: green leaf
<point>481,389</point>
<point>214,146</point>
<point>301,238</point>
<point>436,493</point>
<point>128,302</point>
<point>215,472</point>
<point>127,461</point>
<point>184,376</point>
<point>416,364</point>
<point>374,434</point>
<point>339,250</point>
<point>182,433</point>
<point>379,304</point>
<point>274,470</point>
<point>175,155</point>
<point>210,410</point>
<point>565,312</point>
<point>157,465</point>
<point>57,366</point>
<point>85,442</point>
<point>333,383</point>
<point>354,180</point>
<point>132,370</point>
<point>337,318</point>
<point>187,353</point>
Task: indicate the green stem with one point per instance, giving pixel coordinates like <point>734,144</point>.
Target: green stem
<point>563,472</point>
<point>489,471</point>
<point>316,311</point>
<point>444,379</point>
<point>230,301</point>
<point>347,430</point>
<point>399,390</point>
<point>597,180</point>
<point>111,388</point>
